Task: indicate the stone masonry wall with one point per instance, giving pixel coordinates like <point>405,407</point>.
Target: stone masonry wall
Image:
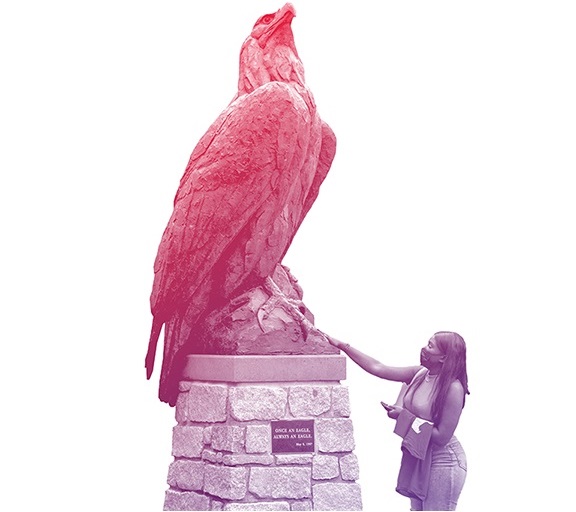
<point>223,456</point>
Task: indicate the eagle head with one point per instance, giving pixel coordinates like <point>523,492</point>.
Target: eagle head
<point>275,28</point>
<point>269,53</point>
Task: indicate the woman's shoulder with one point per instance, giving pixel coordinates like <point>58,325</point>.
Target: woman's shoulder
<point>456,389</point>
<point>456,384</point>
<point>419,371</point>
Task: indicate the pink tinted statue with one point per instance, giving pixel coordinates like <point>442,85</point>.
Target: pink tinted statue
<point>219,286</point>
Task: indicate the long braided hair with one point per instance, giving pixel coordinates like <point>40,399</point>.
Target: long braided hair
<point>454,368</point>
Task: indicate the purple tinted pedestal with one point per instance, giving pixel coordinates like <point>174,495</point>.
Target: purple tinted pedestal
<point>222,443</point>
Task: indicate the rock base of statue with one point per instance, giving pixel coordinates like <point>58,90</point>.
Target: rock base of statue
<point>270,318</point>
<point>263,432</point>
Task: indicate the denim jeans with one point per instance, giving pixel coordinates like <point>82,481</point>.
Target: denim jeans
<point>447,477</point>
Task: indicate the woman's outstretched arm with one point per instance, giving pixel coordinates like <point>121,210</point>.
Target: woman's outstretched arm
<point>373,366</point>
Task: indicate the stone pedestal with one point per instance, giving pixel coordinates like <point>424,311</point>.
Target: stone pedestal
<point>225,457</point>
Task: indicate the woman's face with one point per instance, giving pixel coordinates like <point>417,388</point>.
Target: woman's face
<point>431,355</point>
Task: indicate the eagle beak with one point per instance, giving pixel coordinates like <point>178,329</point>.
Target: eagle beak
<point>288,8</point>
<point>286,13</point>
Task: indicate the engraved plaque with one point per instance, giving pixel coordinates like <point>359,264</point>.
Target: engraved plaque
<point>292,436</point>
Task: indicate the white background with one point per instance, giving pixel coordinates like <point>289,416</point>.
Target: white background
<point>450,205</point>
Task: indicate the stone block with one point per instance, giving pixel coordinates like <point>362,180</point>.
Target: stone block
<point>258,403</point>
<point>296,459</point>
<point>340,401</point>
<point>241,459</point>
<point>187,441</point>
<point>212,456</point>
<point>226,482</point>
<point>334,435</point>
<point>182,408</point>
<point>229,438</point>
<point>216,505</point>
<point>281,482</point>
<point>184,385</point>
<point>258,439</point>
<point>301,505</point>
<point>208,435</point>
<point>325,467</point>
<point>186,475</point>
<point>306,401</point>
<point>207,402</point>
<point>337,496</point>
<point>262,505</point>
<point>176,500</point>
<point>349,467</point>
<point>265,368</point>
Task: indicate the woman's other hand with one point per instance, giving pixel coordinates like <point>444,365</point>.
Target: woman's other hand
<point>394,411</point>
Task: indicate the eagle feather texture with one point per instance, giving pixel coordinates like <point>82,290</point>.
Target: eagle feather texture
<point>247,187</point>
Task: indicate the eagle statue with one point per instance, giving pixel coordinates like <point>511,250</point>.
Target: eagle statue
<point>219,284</point>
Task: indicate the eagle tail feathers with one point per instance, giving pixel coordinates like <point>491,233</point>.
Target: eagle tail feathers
<point>151,354</point>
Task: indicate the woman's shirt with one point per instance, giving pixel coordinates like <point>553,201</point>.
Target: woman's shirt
<point>418,398</point>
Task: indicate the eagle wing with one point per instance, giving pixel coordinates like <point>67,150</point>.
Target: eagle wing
<point>239,176</point>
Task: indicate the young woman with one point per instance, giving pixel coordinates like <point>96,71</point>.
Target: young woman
<point>435,392</point>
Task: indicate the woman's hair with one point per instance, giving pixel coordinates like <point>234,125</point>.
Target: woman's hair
<point>453,347</point>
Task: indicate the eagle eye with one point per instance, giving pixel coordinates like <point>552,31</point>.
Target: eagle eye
<point>267,18</point>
